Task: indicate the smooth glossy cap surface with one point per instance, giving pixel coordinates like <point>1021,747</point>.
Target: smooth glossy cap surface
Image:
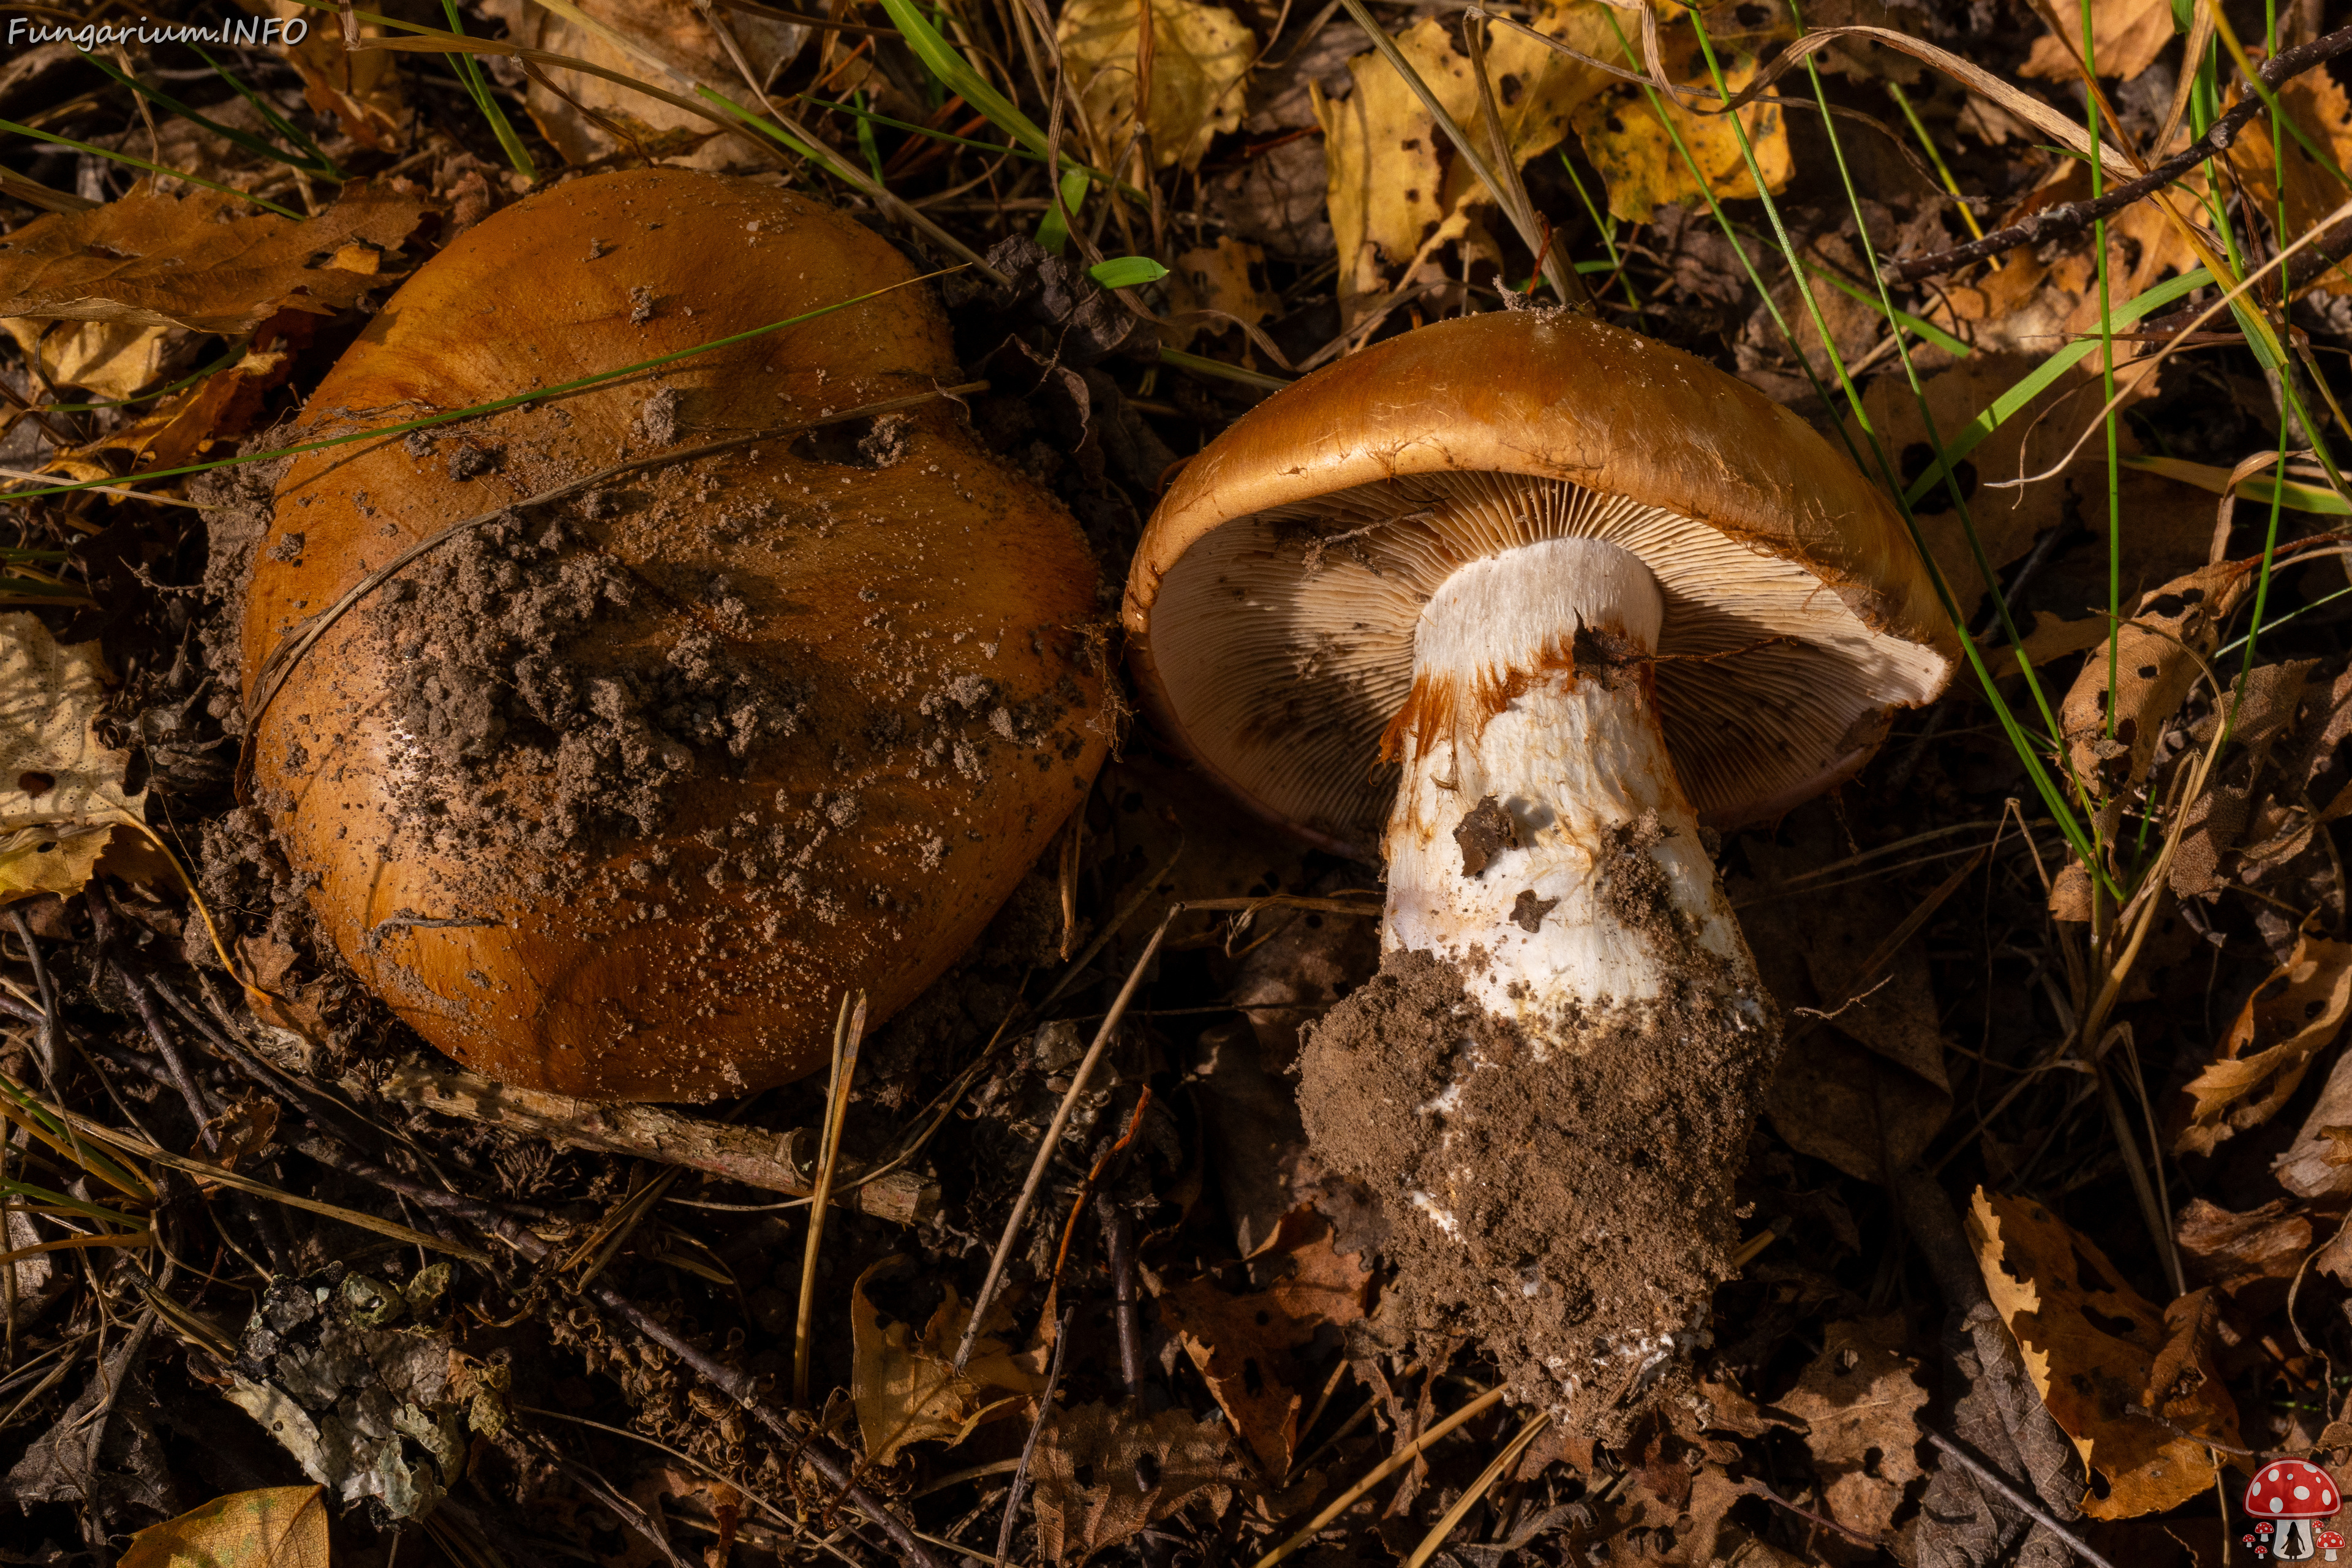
<point>800,716</point>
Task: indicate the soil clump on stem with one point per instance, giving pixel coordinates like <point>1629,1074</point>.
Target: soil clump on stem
<point>1566,1204</point>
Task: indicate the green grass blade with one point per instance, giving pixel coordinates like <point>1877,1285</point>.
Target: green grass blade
<point>470,74</point>
<point>12,128</point>
<point>476,410</point>
<point>2033,383</point>
<point>2028,754</point>
<point>269,112</point>
<point>244,139</point>
<point>959,76</point>
<point>2288,493</point>
<point>1053,229</point>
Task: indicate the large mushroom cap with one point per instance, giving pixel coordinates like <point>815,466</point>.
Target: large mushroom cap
<point>618,796</point>
<point>1274,597</point>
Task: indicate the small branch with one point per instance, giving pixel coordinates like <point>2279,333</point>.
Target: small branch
<point>1758,1488</point>
<point>1118,1244</point>
<point>2075,217</point>
<point>2000,1483</point>
<point>150,1015</point>
<point>44,1037</point>
<point>1052,1141</point>
<point>1036,1430</point>
<point>772,1161</point>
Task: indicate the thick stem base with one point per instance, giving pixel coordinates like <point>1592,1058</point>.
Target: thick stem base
<point>1551,1082</point>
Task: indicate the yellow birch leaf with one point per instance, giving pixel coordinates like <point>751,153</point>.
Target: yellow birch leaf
<point>2125,37</point>
<point>906,1389</point>
<point>1637,158</point>
<point>1395,188</point>
<point>61,799</point>
<point>2090,1343</point>
<point>278,1527</point>
<point>108,360</point>
<point>1199,53</point>
<point>2322,111</point>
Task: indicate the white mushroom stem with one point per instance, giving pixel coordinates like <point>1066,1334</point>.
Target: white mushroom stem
<point>1528,688</point>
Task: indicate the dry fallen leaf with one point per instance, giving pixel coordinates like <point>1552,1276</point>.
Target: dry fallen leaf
<point>61,798</point>
<point>361,89</point>
<point>1637,156</point>
<point>183,429</point>
<point>1200,56</point>
<point>592,118</point>
<point>2091,1344</point>
<point>1105,1474</point>
<point>2238,1250</point>
<point>1395,186</point>
<point>2291,1018</point>
<point>2323,112</point>
<point>278,1527</point>
<point>1228,277</point>
<point>1865,1088</point>
<point>906,1389</point>
<point>111,361</point>
<point>188,261</point>
<point>1242,1344</point>
<point>2125,37</point>
<point>2158,658</point>
<point>1860,1403</point>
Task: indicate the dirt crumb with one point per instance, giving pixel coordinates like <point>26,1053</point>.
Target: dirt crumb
<point>288,548</point>
<point>471,460</point>
<point>657,419</point>
<point>1528,912</point>
<point>641,305</point>
<point>1633,884</point>
<point>1564,1199</point>
<point>1485,831</point>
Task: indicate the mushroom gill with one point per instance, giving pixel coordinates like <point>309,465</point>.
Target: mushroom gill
<point>1762,672</point>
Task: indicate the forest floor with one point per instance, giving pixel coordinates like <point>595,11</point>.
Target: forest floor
<point>2046,1220</point>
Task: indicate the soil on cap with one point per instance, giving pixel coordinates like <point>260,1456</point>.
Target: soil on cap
<point>499,663</point>
<point>1588,1177</point>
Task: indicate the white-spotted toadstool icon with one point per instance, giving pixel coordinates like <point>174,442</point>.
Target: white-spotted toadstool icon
<point>2294,1494</point>
<point>2330,1542</point>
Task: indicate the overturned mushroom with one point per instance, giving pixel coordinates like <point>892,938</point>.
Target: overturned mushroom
<point>617,796</point>
<point>1524,600</point>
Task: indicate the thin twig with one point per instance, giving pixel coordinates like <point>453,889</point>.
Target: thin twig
<point>847,1031</point>
<point>1755,1487</point>
<point>2017,1498</point>
<point>44,1035</point>
<point>151,1015</point>
<point>2074,216</point>
<point>1036,1430</point>
<point>1053,1138</point>
<point>1119,1246</point>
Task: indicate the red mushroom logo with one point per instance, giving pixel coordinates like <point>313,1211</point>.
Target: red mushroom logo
<point>2293,1495</point>
<point>2330,1544</point>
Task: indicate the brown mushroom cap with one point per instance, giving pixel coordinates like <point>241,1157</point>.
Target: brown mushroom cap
<point>1273,599</point>
<point>840,678</point>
